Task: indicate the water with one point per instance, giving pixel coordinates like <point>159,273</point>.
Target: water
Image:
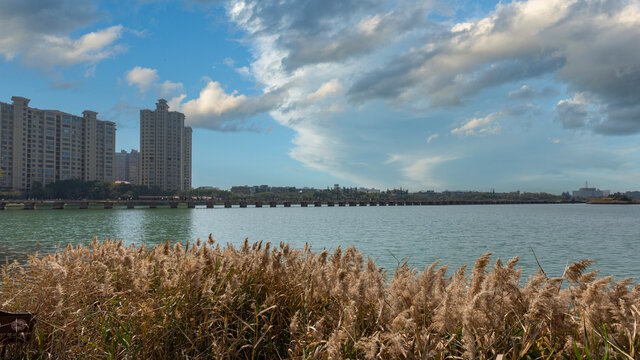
<point>456,235</point>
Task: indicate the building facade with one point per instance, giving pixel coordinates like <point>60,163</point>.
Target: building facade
<point>128,166</point>
<point>49,145</point>
<point>187,158</point>
<point>165,149</point>
<point>587,193</point>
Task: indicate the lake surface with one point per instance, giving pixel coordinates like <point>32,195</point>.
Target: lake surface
<point>558,233</point>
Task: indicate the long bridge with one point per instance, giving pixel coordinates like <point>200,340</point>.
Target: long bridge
<point>211,204</point>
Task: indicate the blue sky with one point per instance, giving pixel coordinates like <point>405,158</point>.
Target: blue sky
<point>477,95</point>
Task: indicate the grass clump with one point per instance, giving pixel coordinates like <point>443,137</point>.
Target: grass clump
<point>258,301</point>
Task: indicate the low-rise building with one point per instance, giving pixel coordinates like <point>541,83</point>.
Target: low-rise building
<point>241,190</point>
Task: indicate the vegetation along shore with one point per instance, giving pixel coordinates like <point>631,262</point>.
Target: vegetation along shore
<point>260,301</point>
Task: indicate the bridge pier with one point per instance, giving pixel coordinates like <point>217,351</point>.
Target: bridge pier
<point>108,205</point>
<point>352,203</point>
<point>304,204</point>
<point>131,205</point>
<point>3,206</point>
<point>191,205</point>
<point>58,205</point>
<point>273,204</point>
<point>227,204</point>
<point>362,203</point>
<point>29,206</point>
<point>331,203</point>
<point>84,205</point>
<point>382,203</point>
<point>258,204</point>
<point>243,204</point>
<point>373,203</point>
<point>317,204</point>
<point>287,204</point>
<point>341,203</point>
<point>210,204</point>
<point>174,204</point>
<point>153,205</point>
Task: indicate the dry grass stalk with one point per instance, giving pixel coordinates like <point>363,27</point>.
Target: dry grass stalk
<point>204,301</point>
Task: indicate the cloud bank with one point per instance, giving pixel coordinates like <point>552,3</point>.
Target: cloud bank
<point>396,52</point>
<point>37,33</point>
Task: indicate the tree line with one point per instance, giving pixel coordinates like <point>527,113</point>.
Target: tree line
<point>101,190</point>
<point>77,189</point>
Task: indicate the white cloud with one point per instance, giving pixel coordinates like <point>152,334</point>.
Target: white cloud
<point>394,51</point>
<point>432,137</point>
<point>332,109</point>
<point>214,101</point>
<point>142,78</point>
<point>418,170</point>
<point>228,61</point>
<point>90,71</point>
<point>169,88</point>
<point>38,34</point>
<point>525,92</point>
<point>147,79</point>
<point>90,48</point>
<point>327,89</point>
<point>589,45</point>
<point>244,71</point>
<point>214,108</point>
<point>218,110</point>
<point>578,112</point>
<point>421,171</point>
<point>479,126</point>
<point>176,101</point>
<point>315,53</point>
<point>25,23</point>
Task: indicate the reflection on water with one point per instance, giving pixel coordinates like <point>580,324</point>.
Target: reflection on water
<point>421,234</point>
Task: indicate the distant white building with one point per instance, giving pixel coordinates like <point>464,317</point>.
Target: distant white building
<point>369,191</point>
<point>589,193</point>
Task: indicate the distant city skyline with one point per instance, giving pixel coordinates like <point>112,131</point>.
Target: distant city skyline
<point>535,95</point>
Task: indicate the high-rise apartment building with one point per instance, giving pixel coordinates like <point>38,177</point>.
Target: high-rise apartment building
<point>186,178</point>
<point>128,166</point>
<point>165,149</point>
<point>49,145</point>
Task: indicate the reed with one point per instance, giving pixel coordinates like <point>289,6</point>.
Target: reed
<point>259,301</point>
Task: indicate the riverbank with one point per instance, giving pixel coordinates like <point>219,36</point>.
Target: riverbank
<point>259,301</point>
<point>612,201</point>
<point>211,204</point>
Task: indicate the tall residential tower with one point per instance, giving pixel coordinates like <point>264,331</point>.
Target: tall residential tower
<point>49,145</point>
<point>165,149</point>
<point>128,166</point>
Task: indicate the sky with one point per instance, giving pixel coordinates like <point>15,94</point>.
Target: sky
<point>537,95</point>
